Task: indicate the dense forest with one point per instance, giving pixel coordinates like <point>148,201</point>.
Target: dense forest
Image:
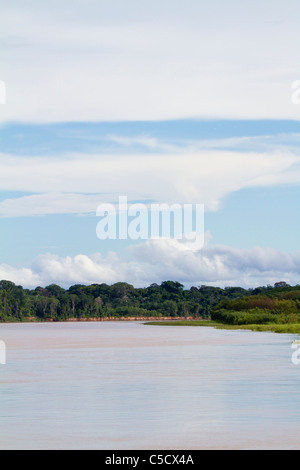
<point>233,305</point>
<point>278,305</point>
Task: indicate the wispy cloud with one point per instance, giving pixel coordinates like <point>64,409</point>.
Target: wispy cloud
<point>49,203</point>
<point>254,143</point>
<point>59,185</point>
<point>145,141</point>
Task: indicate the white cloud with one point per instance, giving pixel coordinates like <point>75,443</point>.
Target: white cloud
<point>103,62</point>
<point>49,203</point>
<point>158,260</point>
<point>73,183</point>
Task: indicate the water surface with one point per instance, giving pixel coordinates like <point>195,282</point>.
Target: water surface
<point>125,385</point>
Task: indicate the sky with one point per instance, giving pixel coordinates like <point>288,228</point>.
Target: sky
<point>161,102</point>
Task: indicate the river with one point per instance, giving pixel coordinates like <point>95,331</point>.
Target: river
<point>126,385</point>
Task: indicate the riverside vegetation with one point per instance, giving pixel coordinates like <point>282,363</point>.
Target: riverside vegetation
<point>101,301</point>
<point>275,308</point>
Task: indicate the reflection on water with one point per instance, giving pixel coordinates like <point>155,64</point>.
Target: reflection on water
<point>124,385</point>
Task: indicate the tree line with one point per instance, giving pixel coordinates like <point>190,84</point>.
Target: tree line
<point>280,305</point>
<point>122,300</point>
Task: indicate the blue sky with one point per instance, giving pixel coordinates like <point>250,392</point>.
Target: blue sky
<point>170,102</point>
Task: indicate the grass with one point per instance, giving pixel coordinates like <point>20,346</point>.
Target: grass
<point>290,328</point>
<point>185,323</point>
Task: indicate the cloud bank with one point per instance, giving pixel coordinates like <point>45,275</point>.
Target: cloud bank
<point>99,61</point>
<point>159,260</point>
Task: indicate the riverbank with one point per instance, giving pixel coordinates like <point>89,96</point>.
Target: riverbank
<point>151,319</point>
<point>290,328</point>
<point>103,319</point>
